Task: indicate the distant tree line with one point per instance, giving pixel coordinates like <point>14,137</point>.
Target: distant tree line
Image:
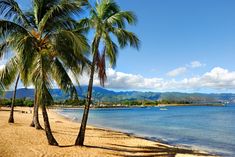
<point>24,102</point>
<point>148,102</point>
<point>141,102</point>
<point>81,102</point>
<point>18,102</point>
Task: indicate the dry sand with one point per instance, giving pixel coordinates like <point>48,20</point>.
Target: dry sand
<point>20,140</point>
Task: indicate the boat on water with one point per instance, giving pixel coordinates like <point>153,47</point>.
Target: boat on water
<point>163,109</point>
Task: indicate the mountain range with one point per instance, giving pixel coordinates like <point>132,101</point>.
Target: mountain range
<point>105,95</point>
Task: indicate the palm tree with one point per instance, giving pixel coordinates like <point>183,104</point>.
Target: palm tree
<point>47,46</point>
<point>8,75</point>
<point>106,19</point>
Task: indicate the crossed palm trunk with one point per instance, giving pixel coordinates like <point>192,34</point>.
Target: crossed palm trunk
<point>35,122</point>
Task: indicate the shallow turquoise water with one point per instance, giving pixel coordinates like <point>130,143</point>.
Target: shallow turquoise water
<point>204,127</point>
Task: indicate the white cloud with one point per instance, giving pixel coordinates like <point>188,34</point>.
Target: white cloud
<point>177,71</point>
<point>183,69</point>
<point>218,79</point>
<point>196,64</point>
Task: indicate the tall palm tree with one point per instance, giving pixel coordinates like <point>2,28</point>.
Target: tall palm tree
<point>48,46</point>
<point>106,18</point>
<point>9,75</point>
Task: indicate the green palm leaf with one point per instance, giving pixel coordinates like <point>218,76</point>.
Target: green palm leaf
<point>9,72</point>
<point>62,78</point>
<point>56,12</point>
<point>120,19</point>
<point>11,10</point>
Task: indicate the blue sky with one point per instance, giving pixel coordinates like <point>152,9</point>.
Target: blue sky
<point>174,33</point>
<point>184,43</point>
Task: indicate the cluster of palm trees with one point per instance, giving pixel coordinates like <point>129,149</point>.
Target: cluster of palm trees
<point>49,46</point>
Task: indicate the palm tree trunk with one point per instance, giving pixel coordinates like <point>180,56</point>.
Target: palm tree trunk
<point>11,118</point>
<point>32,123</point>
<point>50,137</point>
<point>34,107</point>
<point>35,122</point>
<point>36,118</point>
<point>81,136</point>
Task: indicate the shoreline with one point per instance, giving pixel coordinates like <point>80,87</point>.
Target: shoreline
<point>21,140</point>
<point>152,139</point>
<point>113,129</point>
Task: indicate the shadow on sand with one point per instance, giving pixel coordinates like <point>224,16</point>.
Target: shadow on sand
<point>142,151</point>
<point>146,151</point>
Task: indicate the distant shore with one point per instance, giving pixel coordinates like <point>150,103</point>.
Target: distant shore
<point>201,104</point>
<point>136,106</point>
<point>23,141</point>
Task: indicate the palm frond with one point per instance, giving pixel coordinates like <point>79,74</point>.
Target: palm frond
<point>31,19</point>
<point>43,94</point>
<point>120,18</point>
<point>41,78</point>
<point>11,10</point>
<point>71,48</point>
<point>125,37</point>
<point>64,23</point>
<point>111,49</point>
<point>62,78</point>
<point>9,72</point>
<point>106,8</point>
<point>3,48</point>
<point>83,25</point>
<point>40,8</point>
<point>26,51</point>
<point>56,12</point>
<point>8,28</point>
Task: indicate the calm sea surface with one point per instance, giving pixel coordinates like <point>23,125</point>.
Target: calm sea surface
<point>207,128</point>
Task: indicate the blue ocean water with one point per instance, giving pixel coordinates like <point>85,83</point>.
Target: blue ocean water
<point>204,127</point>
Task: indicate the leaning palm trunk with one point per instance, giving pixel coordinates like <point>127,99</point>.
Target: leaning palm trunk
<point>81,136</point>
<point>35,122</point>
<point>11,118</point>
<point>50,137</point>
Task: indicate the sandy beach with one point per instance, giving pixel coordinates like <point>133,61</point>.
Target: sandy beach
<point>20,140</point>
